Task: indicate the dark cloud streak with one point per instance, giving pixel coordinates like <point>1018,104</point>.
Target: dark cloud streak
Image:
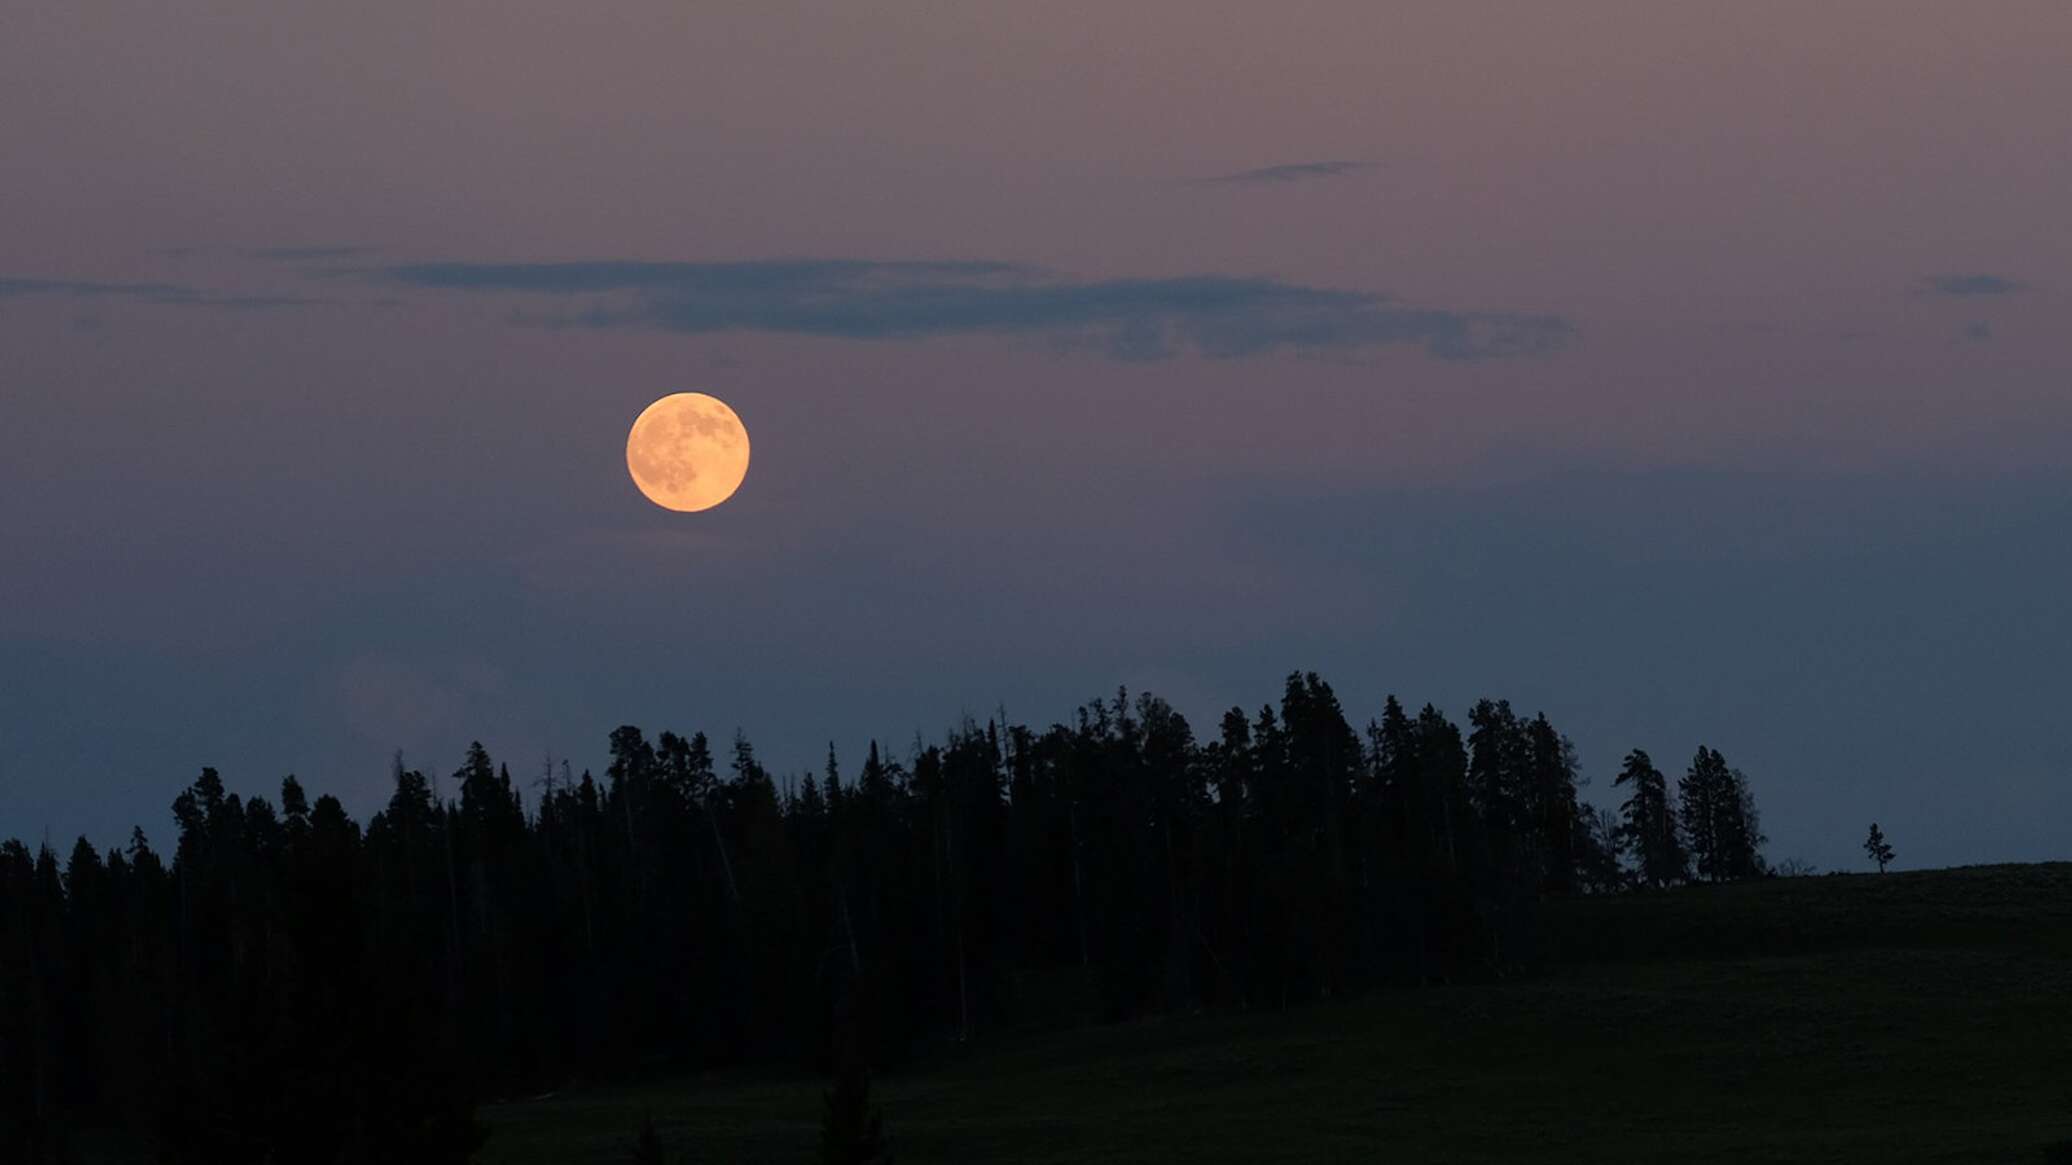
<point>1290,172</point>
<point>1130,319</point>
<point>1970,285</point>
<point>152,293</point>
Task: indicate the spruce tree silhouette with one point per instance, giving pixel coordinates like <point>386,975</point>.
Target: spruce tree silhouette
<point>1648,826</point>
<point>287,984</point>
<point>1875,846</point>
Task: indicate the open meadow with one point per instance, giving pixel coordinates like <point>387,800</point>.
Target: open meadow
<point>1898,1018</point>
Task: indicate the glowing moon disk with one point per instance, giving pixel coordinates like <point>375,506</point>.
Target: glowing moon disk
<point>687,452</point>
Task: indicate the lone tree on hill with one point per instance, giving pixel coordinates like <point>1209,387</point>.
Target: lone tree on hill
<point>1876,846</point>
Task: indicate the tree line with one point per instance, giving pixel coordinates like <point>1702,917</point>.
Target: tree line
<point>288,985</point>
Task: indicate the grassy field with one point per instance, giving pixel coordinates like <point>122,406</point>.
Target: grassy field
<point>1909,1017</point>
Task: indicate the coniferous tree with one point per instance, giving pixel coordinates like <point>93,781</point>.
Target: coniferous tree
<point>1878,849</point>
<point>1699,793</point>
<point>287,985</point>
<point>1497,780</point>
<point>1742,838</point>
<point>1719,819</point>
<point>1552,817</point>
<point>1648,828</point>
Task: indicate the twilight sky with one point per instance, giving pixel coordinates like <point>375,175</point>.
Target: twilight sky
<point>1692,373</point>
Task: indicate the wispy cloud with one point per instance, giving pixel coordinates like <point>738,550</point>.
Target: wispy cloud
<point>154,293</point>
<point>1136,319</point>
<point>1969,285</point>
<point>1290,172</point>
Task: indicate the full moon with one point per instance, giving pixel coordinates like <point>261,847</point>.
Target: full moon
<point>687,452</point>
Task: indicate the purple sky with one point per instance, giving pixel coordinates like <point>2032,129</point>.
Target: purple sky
<point>1694,375</point>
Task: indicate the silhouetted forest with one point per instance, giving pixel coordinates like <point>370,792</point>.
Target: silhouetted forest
<point>285,985</point>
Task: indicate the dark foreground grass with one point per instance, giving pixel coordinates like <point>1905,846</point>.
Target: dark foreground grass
<point>1919,1017</point>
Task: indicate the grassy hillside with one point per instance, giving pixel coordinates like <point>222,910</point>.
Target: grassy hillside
<point>1909,1017</point>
